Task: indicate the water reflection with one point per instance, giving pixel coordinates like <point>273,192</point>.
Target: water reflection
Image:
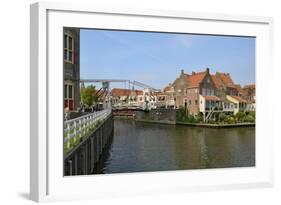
<point>141,146</point>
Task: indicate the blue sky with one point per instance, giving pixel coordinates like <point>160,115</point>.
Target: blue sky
<point>157,58</point>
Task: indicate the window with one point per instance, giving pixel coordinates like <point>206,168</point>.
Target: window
<point>189,102</point>
<point>196,102</point>
<point>65,91</point>
<point>68,48</point>
<point>68,96</point>
<point>70,91</point>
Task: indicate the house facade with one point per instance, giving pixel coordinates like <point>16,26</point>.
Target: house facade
<point>212,93</point>
<point>189,87</point>
<point>240,105</point>
<point>71,68</point>
<point>122,96</point>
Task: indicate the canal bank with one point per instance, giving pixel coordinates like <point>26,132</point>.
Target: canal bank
<point>216,125</point>
<point>168,116</point>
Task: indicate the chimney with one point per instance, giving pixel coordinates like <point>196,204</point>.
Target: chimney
<point>182,71</point>
<point>208,70</point>
<point>193,73</point>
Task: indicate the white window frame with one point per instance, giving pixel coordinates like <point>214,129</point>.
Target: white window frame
<point>67,91</point>
<point>68,35</point>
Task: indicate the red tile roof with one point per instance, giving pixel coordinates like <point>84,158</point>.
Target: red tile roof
<point>195,79</point>
<point>211,98</point>
<point>167,88</point>
<point>239,99</point>
<point>117,92</point>
<point>240,90</point>
<point>222,80</point>
<point>252,86</point>
<point>217,81</point>
<point>225,77</point>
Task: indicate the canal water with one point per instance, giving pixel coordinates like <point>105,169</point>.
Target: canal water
<point>140,146</point>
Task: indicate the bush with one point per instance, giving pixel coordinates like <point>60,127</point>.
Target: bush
<point>211,121</point>
<point>180,114</point>
<point>230,120</point>
<point>253,114</point>
<point>221,117</point>
<point>240,116</point>
<point>249,118</point>
<point>198,117</point>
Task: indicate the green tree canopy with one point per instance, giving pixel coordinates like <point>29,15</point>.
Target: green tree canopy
<point>88,95</point>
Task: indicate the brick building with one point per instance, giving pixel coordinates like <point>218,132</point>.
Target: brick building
<point>188,88</point>
<point>204,92</point>
<point>224,85</point>
<point>71,68</point>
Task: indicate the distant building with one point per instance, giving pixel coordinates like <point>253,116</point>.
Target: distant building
<point>240,105</point>
<point>71,68</point>
<point>207,93</point>
<point>170,100</point>
<point>126,96</point>
<point>188,88</point>
<point>165,98</point>
<point>250,96</point>
<point>224,85</point>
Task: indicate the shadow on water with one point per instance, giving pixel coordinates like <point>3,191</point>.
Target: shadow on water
<point>101,164</point>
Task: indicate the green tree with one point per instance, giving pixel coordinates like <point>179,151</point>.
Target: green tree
<point>88,95</point>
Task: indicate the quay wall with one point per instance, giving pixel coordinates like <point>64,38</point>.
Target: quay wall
<point>83,159</point>
<point>165,116</point>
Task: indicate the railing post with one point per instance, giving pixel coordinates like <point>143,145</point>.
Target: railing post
<point>91,122</point>
<point>74,132</point>
<point>80,129</point>
<point>68,136</point>
<point>84,127</point>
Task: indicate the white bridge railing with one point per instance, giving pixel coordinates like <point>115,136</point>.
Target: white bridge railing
<point>80,127</point>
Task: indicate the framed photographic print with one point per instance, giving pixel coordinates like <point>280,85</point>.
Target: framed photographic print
<point>127,102</point>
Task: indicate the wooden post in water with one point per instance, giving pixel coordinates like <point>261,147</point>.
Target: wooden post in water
<point>70,167</point>
<point>86,158</point>
<point>75,164</point>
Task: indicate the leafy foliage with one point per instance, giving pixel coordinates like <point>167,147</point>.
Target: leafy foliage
<point>181,115</point>
<point>88,96</point>
<point>221,118</point>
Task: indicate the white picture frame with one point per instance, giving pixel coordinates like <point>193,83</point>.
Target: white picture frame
<point>46,177</point>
